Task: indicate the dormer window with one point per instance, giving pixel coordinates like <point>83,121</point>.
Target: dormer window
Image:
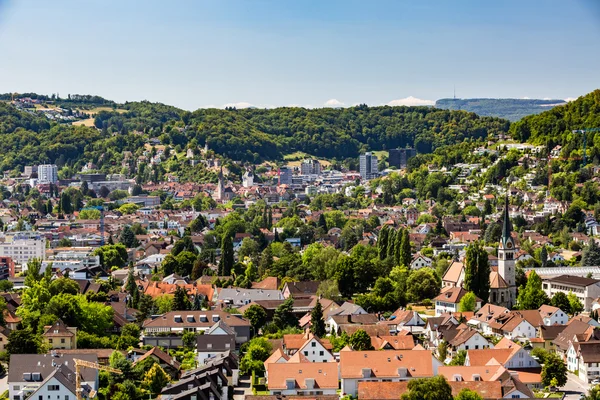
<point>178,319</point>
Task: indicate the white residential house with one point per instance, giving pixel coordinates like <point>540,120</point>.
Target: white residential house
<point>553,315</point>
<point>448,301</point>
<point>585,358</point>
<point>314,351</point>
<point>421,261</point>
<point>48,376</point>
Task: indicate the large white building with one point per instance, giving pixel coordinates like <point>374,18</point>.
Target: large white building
<point>22,248</point>
<point>368,166</point>
<point>586,289</point>
<point>47,173</point>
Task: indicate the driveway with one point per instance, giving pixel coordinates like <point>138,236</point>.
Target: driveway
<point>243,388</point>
<point>574,387</point>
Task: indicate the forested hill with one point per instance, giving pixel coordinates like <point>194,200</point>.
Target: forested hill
<point>257,134</point>
<point>555,126</point>
<point>250,135</point>
<point>511,109</point>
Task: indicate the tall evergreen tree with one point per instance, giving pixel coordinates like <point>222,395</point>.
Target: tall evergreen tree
<point>405,253</point>
<point>398,246</point>
<point>317,322</point>
<point>270,219</point>
<point>322,222</point>
<point>391,249</point>
<point>471,256</point>
<point>483,275</point>
<point>266,262</point>
<point>265,218</point>
<point>181,302</point>
<point>382,242</point>
<point>226,256</point>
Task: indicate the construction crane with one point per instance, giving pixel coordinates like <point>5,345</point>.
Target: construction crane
<point>584,136</point>
<point>79,365</point>
<point>101,209</point>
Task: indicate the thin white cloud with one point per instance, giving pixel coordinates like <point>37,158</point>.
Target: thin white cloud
<point>570,99</point>
<point>411,101</point>
<point>241,104</point>
<point>333,103</point>
<point>525,98</point>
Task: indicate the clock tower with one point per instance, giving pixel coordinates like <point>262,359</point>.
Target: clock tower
<point>506,257</point>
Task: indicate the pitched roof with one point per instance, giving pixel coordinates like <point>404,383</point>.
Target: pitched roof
<point>394,390</point>
<point>572,329</point>
<point>590,351</point>
<point>497,281</point>
<point>269,283</point>
<point>574,280</point>
<point>220,325</point>
<point>547,310</point>
<point>468,373</point>
<point>45,364</point>
<point>276,356</point>
<point>389,363</point>
<point>453,295</point>
<point>58,329</point>
<point>550,332</point>
<point>453,272</point>
<point>161,355</point>
<point>304,375</point>
<point>402,342</point>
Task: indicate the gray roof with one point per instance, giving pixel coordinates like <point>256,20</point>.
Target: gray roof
<point>574,280</point>
<point>247,295</point>
<point>46,364</point>
<point>220,324</point>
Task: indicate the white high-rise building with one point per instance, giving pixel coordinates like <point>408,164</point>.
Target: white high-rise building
<point>368,166</point>
<point>23,248</point>
<point>47,173</point>
<point>310,167</point>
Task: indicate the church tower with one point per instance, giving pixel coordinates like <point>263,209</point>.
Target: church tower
<point>506,257</point>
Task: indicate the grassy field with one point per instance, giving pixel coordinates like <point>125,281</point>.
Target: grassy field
<point>381,154</point>
<point>93,112</point>
<point>295,159</point>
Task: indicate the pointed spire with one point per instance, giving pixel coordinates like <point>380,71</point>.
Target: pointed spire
<point>506,227</point>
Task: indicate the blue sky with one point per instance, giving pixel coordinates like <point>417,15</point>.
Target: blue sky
<point>277,52</point>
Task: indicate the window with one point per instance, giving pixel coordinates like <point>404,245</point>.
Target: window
<point>53,388</point>
<point>306,353</point>
<point>209,345</point>
<point>321,353</point>
<point>314,344</point>
<point>62,340</point>
<point>50,340</point>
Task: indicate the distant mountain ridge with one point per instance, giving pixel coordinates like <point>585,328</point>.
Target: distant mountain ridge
<point>511,109</point>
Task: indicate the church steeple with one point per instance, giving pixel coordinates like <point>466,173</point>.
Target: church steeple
<point>506,227</point>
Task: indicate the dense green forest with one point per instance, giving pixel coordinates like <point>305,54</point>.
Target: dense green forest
<point>510,109</point>
<point>555,127</point>
<point>251,135</point>
<point>258,134</point>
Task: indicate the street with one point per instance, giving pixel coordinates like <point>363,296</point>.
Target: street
<point>574,387</point>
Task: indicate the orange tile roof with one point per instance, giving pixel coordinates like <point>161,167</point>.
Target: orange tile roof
<point>453,272</point>
<point>489,373</point>
<point>386,363</point>
<point>394,390</point>
<point>325,375</point>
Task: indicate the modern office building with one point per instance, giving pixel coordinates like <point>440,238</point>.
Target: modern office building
<point>368,166</point>
<point>399,157</point>
<point>47,173</point>
<point>310,166</point>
